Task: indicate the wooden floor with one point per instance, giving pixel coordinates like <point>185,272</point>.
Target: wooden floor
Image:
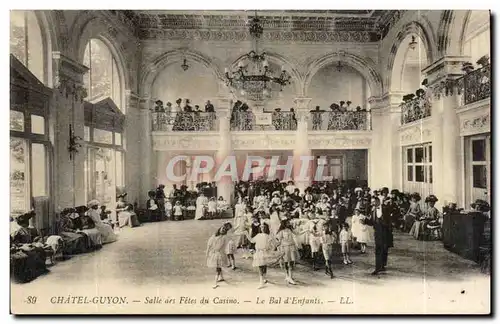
<point>171,256</point>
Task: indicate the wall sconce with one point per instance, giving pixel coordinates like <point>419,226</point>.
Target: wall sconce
<point>413,43</point>
<point>184,65</point>
<point>74,143</point>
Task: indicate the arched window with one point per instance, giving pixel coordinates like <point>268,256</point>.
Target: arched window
<point>26,42</point>
<point>476,41</point>
<point>102,80</point>
<point>104,125</point>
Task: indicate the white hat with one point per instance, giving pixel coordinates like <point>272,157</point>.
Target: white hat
<point>358,189</point>
<point>93,202</point>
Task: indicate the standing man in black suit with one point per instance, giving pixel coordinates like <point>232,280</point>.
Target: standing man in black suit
<point>381,222</point>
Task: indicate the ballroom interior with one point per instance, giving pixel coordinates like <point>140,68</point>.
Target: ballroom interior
<point>89,89</point>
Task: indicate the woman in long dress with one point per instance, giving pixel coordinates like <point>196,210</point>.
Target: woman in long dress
<point>126,214</point>
<point>107,233</point>
<point>87,226</point>
<point>274,221</point>
<point>201,204</point>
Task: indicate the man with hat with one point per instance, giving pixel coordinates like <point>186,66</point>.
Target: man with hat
<point>380,220</point>
<point>160,200</point>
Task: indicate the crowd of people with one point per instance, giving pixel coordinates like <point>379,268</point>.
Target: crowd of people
<point>182,203</point>
<point>275,223</point>
<point>183,117</point>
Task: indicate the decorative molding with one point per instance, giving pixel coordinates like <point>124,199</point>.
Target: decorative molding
<point>339,140</point>
<point>295,36</point>
<point>259,141</point>
<point>185,141</point>
<point>416,133</point>
<point>286,26</point>
<point>475,125</point>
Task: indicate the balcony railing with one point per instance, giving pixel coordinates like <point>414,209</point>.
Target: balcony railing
<point>275,121</point>
<point>337,121</point>
<point>477,85</point>
<point>415,109</point>
<point>184,121</point>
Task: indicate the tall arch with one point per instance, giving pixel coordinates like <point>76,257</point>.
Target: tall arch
<point>451,30</point>
<point>151,71</point>
<point>297,77</point>
<point>87,27</point>
<point>395,66</point>
<point>363,66</point>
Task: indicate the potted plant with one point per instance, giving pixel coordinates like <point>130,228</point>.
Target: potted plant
<point>467,67</point>
<point>484,60</point>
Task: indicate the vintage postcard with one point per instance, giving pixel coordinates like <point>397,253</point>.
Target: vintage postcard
<point>250,162</point>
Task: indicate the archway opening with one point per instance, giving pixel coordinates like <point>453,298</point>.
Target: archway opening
<point>411,58</point>
<point>197,83</point>
<point>476,37</point>
<point>338,82</point>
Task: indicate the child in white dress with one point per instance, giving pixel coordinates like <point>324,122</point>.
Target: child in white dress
<point>289,247</point>
<point>215,254</point>
<point>178,211</point>
<point>231,249</point>
<point>264,253</point>
<point>168,209</point>
<point>212,208</point>
<point>345,239</point>
<point>361,231</point>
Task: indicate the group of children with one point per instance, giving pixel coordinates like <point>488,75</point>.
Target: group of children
<point>278,238</point>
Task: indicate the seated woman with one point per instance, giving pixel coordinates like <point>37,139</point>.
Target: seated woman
<point>414,213</point>
<point>126,214</point>
<point>88,227</point>
<point>27,253</point>
<point>107,233</point>
<point>430,222</point>
<point>68,228</point>
<point>153,207</point>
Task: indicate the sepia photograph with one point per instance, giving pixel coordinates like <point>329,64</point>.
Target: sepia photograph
<point>292,161</point>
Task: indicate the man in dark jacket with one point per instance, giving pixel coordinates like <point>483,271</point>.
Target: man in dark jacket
<point>381,221</point>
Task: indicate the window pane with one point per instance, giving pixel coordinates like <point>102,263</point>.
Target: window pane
<point>35,47</point>
<point>119,170</point>
<point>479,176</point>
<point>18,176</point>
<point>37,124</point>
<point>16,121</point>
<point>102,136</point>
<point>409,155</point>
<point>118,139</point>
<point>479,150</point>
<point>419,173</point>
<point>409,171</point>
<point>86,133</point>
<point>430,174</point>
<point>100,71</point>
<point>430,153</point>
<point>18,35</point>
<point>39,169</point>
<point>419,154</point>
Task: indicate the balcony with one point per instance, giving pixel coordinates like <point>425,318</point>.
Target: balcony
<point>415,109</point>
<point>275,121</point>
<point>184,121</point>
<point>477,85</point>
<point>340,121</point>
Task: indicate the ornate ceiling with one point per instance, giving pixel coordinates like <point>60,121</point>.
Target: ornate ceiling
<point>285,25</point>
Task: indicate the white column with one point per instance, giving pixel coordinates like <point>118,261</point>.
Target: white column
<point>225,185</point>
<point>446,148</point>
<point>148,164</point>
<point>302,150</point>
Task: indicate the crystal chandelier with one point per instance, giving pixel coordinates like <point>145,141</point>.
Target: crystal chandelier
<point>253,77</point>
